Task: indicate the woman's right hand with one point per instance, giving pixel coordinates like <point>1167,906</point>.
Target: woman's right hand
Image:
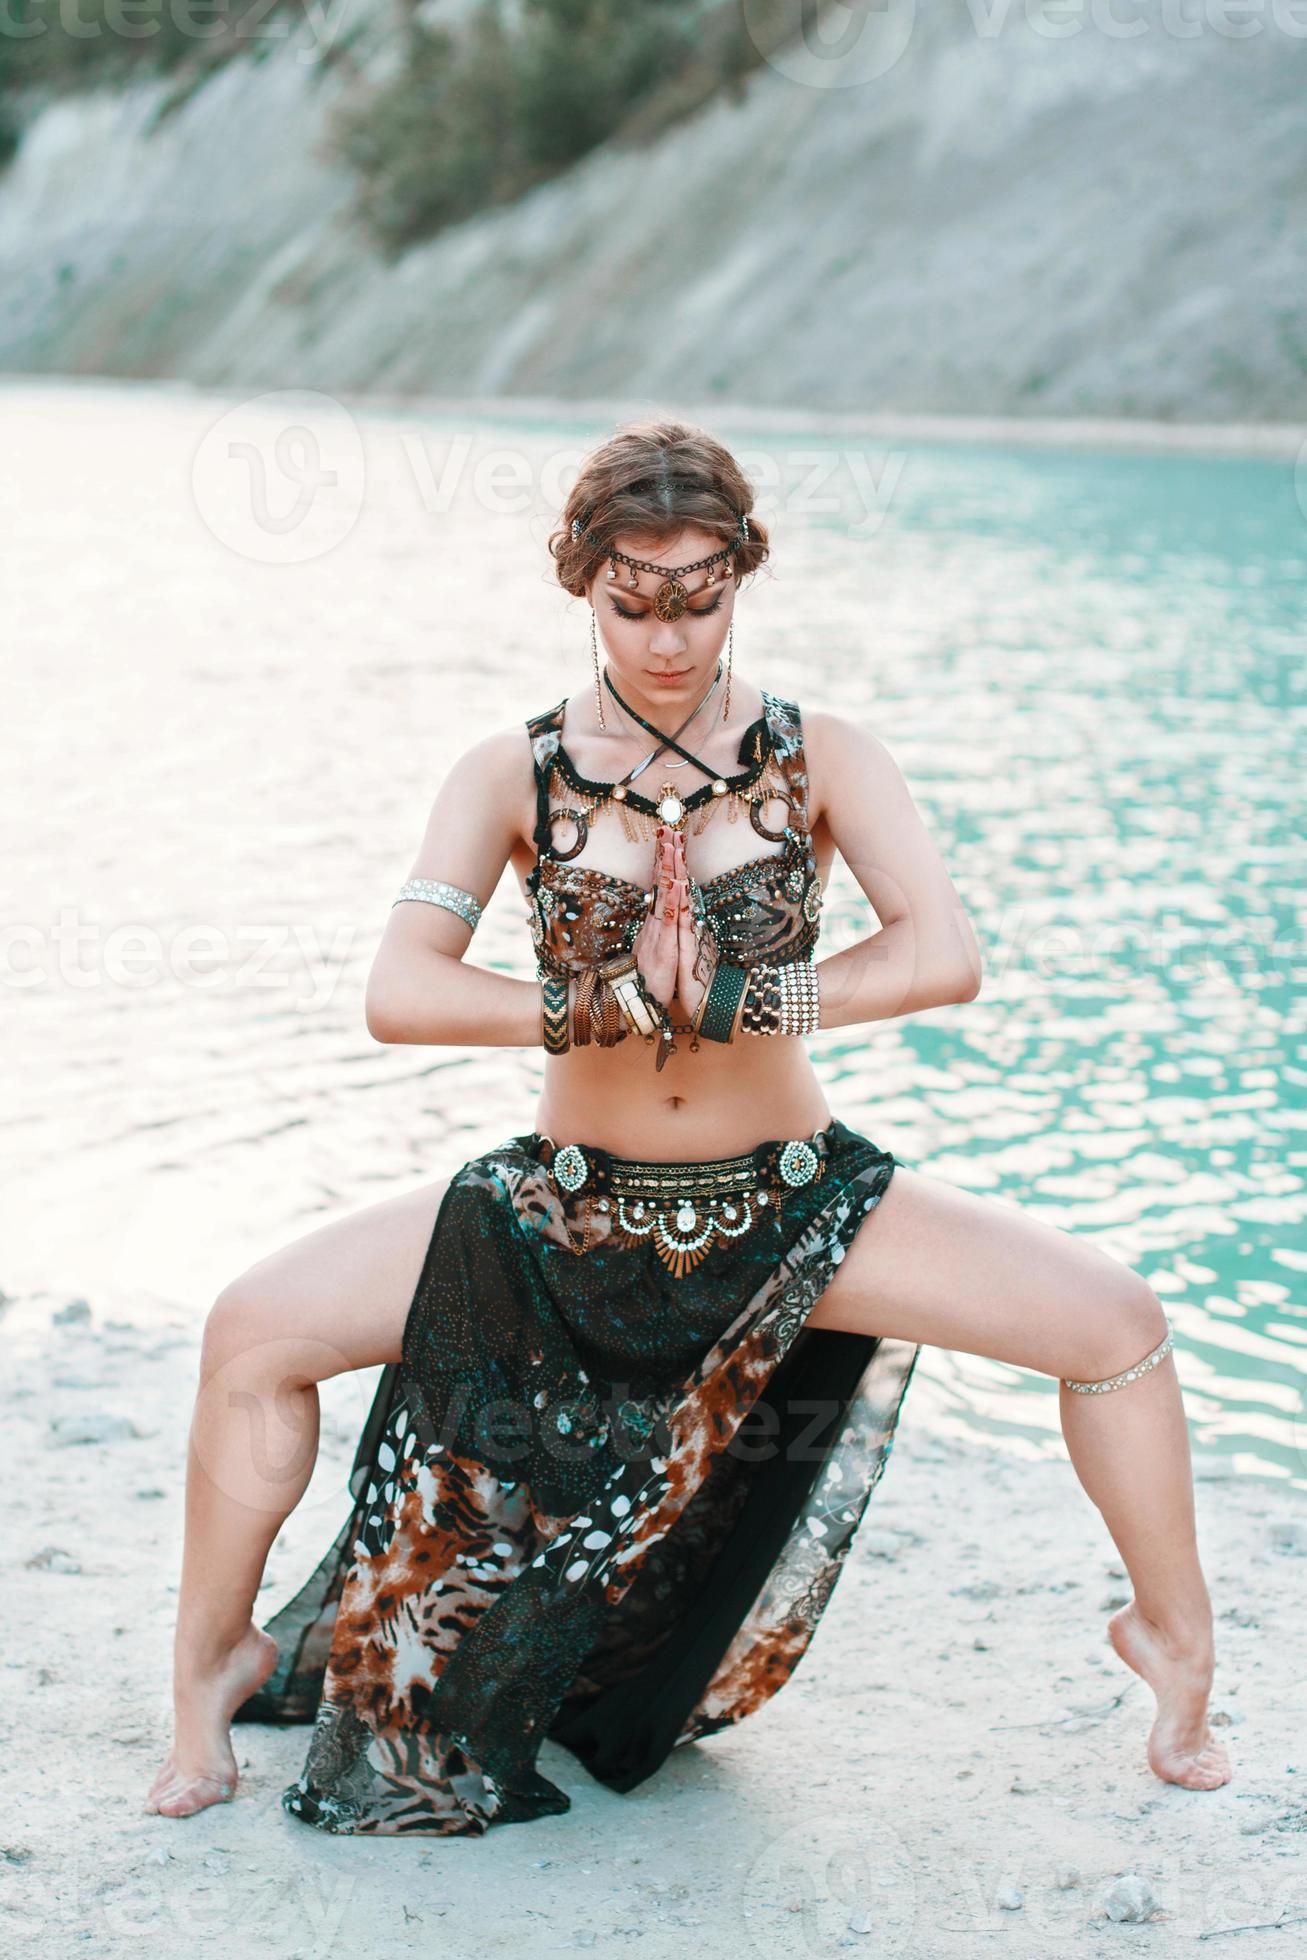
<point>657,944</point>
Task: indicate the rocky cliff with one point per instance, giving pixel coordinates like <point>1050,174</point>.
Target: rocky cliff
<point>955,210</point>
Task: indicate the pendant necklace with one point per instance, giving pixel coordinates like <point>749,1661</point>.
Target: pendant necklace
<point>670,806</point>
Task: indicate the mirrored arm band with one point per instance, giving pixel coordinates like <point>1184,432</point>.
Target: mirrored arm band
<point>436,892</point>
<point>1127,1374</point>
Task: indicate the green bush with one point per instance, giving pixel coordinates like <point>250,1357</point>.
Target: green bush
<point>475,121</point>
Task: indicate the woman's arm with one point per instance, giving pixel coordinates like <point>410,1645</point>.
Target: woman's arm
<point>925,953</point>
<point>420,988</point>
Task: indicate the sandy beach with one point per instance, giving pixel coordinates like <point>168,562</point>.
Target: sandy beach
<point>956,1766</point>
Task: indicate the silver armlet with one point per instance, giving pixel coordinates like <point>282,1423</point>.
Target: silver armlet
<point>436,892</point>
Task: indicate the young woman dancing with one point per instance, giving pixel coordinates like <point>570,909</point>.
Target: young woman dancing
<point>642,1366</point>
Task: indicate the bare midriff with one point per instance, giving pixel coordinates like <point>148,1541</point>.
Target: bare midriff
<point>696,1106</point>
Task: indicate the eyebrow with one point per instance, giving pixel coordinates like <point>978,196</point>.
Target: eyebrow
<point>626,592</point>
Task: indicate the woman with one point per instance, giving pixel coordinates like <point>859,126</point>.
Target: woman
<point>643,1365</point>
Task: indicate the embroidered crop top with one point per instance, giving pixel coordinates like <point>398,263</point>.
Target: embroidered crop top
<point>765,909</point>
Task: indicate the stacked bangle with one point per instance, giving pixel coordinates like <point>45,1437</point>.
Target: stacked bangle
<point>555,1030</point>
<point>622,977</point>
<point>720,1008</point>
<point>760,1011</point>
<point>784,999</point>
<point>800,998</point>
<point>766,998</point>
<point>596,1012</point>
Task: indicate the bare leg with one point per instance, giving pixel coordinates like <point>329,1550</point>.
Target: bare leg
<point>937,1264</point>
<point>336,1299</point>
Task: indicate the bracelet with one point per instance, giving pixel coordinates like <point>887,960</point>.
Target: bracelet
<point>781,999</point>
<point>611,1025</point>
<point>596,1014</point>
<point>719,1010</point>
<point>585,986</point>
<point>623,978</point>
<point>554,1031</point>
<point>760,1009</point>
<point>800,998</point>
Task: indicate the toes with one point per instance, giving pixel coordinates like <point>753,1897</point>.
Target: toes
<point>184,1799</point>
<point>178,1796</point>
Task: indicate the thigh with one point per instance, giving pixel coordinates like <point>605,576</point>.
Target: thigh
<point>335,1299</point>
<point>932,1262</point>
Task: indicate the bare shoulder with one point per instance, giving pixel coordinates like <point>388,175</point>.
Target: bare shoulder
<point>497,765</point>
<point>503,756</point>
<point>842,751</point>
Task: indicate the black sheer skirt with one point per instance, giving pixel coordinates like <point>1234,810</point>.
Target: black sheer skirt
<point>594,1503</point>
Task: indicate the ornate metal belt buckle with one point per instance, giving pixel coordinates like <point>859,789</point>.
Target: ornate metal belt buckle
<point>798,1163</point>
<point>570,1168</point>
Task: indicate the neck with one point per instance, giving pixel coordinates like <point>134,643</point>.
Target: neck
<point>667,709</point>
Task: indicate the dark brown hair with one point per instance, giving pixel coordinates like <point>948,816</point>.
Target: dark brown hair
<point>649,481</point>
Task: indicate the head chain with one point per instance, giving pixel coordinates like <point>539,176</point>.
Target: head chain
<point>671,597</point>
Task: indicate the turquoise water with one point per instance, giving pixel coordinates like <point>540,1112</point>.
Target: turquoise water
<point>1099,707</point>
<point>1088,667</point>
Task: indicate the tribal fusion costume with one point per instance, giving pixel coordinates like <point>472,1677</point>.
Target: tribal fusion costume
<point>606,1493</point>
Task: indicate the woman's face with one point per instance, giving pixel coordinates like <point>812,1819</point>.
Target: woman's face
<point>639,645</point>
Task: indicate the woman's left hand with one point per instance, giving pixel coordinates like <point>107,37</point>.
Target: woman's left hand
<point>697,948</point>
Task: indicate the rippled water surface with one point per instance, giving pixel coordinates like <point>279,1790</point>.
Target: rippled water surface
<point>224,739</point>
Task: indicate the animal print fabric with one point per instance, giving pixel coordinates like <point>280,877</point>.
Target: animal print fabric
<point>594,1505</point>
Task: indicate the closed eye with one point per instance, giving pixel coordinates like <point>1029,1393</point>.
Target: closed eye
<point>700,612</point>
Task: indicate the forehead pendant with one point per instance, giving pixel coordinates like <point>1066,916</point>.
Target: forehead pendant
<point>671,599</point>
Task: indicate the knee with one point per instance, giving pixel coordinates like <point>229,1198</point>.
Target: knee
<point>1129,1323</point>
<point>238,1331</point>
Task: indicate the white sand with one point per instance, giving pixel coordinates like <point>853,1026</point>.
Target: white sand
<point>957,1727</point>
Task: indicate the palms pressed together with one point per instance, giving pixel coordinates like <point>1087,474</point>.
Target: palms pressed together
<point>676,961</point>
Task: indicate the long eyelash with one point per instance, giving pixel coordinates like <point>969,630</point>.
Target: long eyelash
<point>699,612</point>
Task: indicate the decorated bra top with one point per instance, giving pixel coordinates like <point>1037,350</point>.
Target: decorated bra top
<point>767,908</point>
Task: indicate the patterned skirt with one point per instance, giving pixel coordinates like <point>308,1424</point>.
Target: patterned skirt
<point>605,1494</point>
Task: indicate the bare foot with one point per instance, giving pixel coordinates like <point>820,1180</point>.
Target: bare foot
<point>200,1768</point>
<point>1181,1747</point>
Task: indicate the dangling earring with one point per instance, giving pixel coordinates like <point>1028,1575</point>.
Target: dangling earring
<point>594,655</point>
<point>730,649</point>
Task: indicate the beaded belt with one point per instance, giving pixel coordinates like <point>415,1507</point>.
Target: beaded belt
<point>683,1208</point>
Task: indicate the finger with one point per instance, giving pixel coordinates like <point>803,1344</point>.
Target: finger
<point>691,940</point>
